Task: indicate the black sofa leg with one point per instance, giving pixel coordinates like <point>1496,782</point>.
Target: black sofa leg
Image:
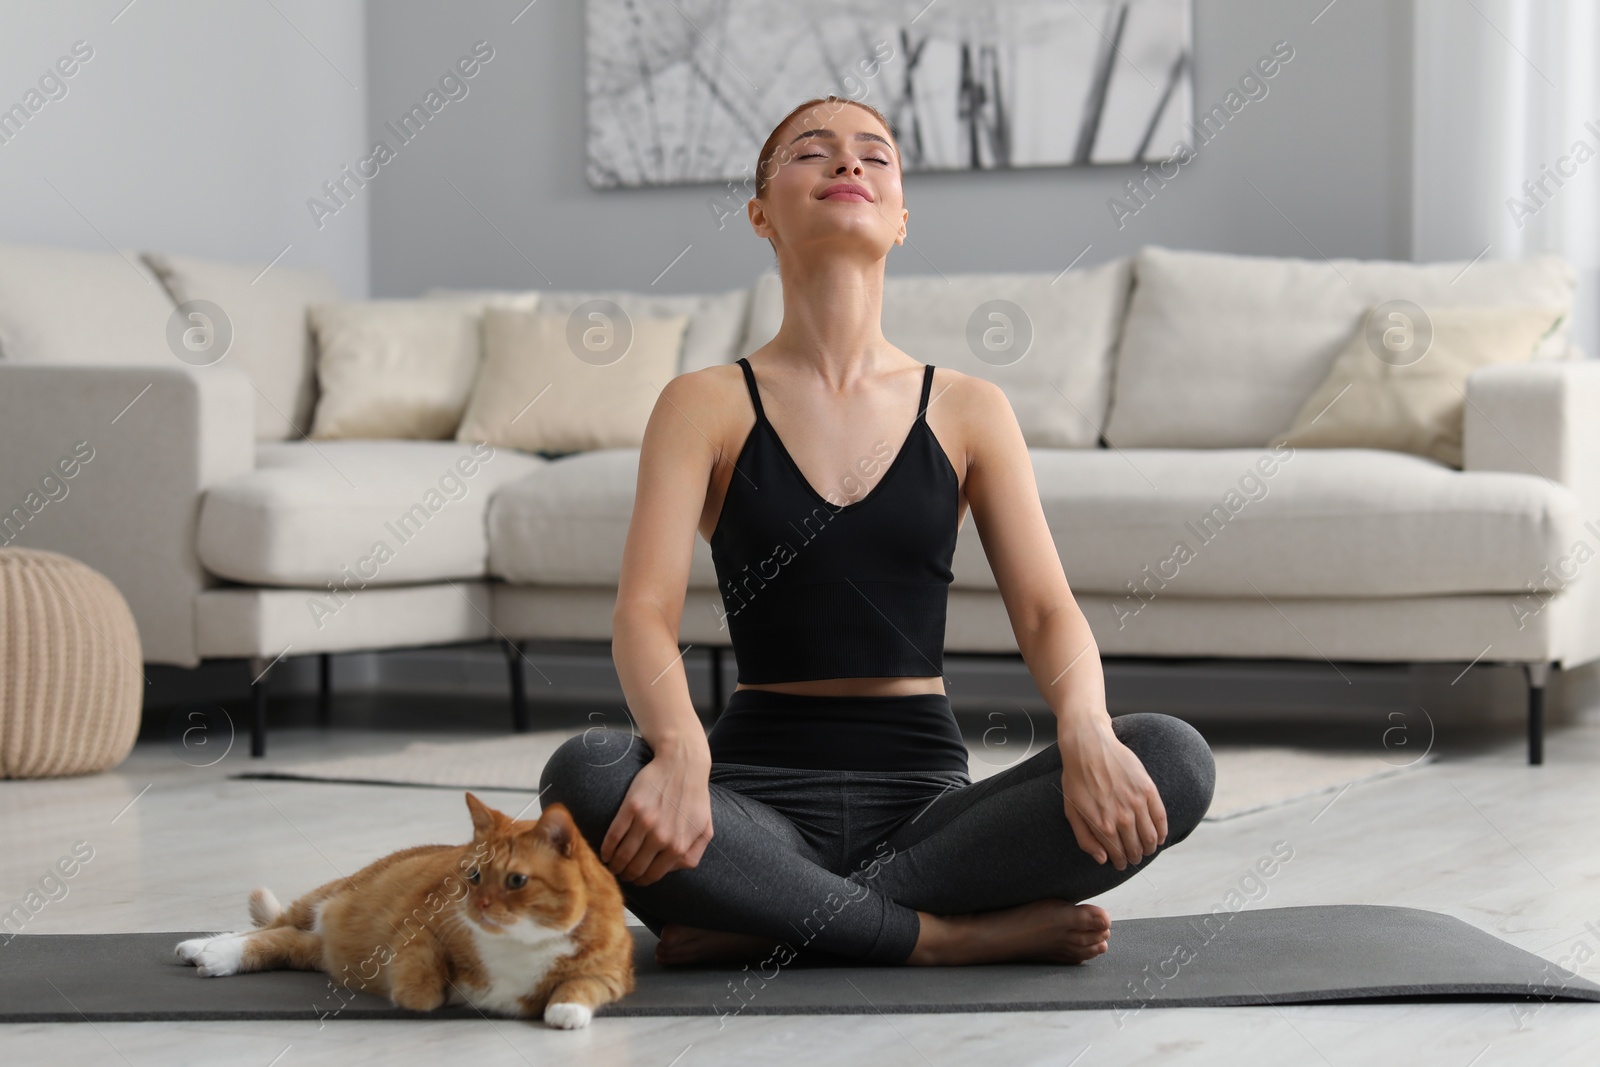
<point>1538,675</point>
<point>324,690</point>
<point>716,683</point>
<point>259,669</point>
<point>519,690</point>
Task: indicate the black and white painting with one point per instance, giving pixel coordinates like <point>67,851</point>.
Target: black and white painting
<point>687,90</point>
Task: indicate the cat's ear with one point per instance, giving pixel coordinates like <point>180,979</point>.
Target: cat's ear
<point>556,827</point>
<point>484,818</point>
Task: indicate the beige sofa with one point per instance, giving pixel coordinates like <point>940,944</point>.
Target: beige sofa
<point>1147,387</point>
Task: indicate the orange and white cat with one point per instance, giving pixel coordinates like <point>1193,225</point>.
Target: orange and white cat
<point>524,920</point>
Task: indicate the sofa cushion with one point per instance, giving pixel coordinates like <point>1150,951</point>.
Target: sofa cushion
<point>394,368</point>
<point>1325,522</point>
<point>716,320</point>
<point>1410,398</point>
<point>1310,522</point>
<point>60,305</point>
<point>379,512</point>
<point>1053,360</point>
<point>272,340</point>
<point>543,389</point>
<point>1221,351</point>
<point>566,523</point>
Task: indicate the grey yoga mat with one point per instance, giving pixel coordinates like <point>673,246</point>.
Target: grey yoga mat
<point>1267,956</point>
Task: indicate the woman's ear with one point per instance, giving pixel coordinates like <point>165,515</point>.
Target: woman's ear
<point>758,218</point>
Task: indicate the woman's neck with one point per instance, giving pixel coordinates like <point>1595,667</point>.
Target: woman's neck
<point>832,317</point>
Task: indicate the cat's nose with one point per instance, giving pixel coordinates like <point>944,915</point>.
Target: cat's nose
<point>483,903</point>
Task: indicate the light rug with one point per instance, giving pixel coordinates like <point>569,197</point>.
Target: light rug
<point>1250,778</point>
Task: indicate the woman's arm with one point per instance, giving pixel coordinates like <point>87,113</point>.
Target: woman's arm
<point>665,820</point>
<point>1113,806</point>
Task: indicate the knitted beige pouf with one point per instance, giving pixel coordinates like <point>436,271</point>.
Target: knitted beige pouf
<point>71,680</point>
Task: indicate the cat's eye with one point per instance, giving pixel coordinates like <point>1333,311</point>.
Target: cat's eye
<point>516,881</point>
<point>473,876</point>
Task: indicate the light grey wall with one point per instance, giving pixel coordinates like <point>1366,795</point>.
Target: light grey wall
<point>492,193</point>
<point>196,127</point>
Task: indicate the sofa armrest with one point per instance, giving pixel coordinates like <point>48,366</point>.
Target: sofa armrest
<point>1537,418</point>
<point>108,464</point>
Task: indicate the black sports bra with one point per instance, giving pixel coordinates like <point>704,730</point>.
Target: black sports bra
<point>815,589</point>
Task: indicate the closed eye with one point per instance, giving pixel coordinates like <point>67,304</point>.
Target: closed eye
<point>820,155</point>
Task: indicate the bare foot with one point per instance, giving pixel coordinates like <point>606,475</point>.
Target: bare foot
<point>687,944</point>
<point>1049,931</point>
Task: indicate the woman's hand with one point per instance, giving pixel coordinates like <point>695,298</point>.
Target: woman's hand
<point>1113,806</point>
<point>664,823</point>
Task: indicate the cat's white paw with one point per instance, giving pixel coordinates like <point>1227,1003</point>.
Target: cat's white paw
<point>215,957</point>
<point>567,1016</point>
<point>188,950</point>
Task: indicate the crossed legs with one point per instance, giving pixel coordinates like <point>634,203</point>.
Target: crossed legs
<point>998,856</point>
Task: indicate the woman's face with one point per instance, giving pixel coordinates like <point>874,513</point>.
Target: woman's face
<point>834,182</point>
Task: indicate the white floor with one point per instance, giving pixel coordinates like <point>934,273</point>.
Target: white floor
<point>1479,835</point>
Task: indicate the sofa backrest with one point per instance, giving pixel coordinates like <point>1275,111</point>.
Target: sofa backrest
<point>1221,351</point>
<point>64,306</point>
<point>1045,338</point>
<point>716,320</point>
<point>272,341</point>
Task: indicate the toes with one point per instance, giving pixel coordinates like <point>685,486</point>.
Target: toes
<point>1085,953</point>
<point>1092,952</point>
<point>675,934</point>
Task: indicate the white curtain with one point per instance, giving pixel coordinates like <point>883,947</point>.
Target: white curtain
<point>1506,147</point>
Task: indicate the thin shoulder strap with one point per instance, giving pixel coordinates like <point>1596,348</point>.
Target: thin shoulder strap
<point>755,395</point>
<point>927,390</point>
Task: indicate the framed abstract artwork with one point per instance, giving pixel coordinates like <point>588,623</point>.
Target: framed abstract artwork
<point>682,91</point>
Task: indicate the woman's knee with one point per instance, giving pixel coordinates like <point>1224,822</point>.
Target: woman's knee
<point>1179,762</point>
<point>590,774</point>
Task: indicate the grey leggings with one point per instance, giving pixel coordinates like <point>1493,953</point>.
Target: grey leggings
<point>837,863</point>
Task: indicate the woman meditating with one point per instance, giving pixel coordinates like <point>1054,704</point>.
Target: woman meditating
<point>830,808</point>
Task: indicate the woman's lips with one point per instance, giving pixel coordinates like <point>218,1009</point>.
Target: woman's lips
<point>846,194</point>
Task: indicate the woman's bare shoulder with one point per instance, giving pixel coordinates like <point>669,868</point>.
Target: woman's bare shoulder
<point>967,399</point>
<point>707,405</point>
<point>710,390</point>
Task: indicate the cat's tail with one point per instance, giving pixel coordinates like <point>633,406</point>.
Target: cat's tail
<point>264,907</point>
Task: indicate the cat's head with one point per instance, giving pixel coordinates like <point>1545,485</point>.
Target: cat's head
<point>523,871</point>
